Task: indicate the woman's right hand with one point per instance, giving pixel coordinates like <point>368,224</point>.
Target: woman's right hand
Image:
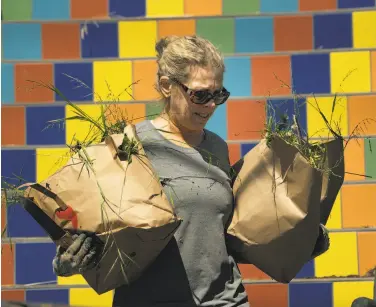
<point>78,258</point>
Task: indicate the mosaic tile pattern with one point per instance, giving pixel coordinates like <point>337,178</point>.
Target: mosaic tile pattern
<point>312,48</point>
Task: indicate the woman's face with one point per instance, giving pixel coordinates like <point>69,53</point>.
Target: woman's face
<point>187,114</point>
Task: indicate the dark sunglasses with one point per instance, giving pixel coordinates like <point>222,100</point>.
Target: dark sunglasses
<point>204,96</point>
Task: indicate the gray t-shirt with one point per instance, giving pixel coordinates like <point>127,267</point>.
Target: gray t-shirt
<point>195,268</point>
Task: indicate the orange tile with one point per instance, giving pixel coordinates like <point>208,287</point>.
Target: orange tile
<point>12,125</point>
<point>362,114</point>
<point>144,73</point>
<point>366,251</point>
<point>87,9</point>
<point>271,75</point>
<point>373,71</point>
<point>354,160</point>
<point>178,27</point>
<point>13,295</point>
<point>293,33</point>
<point>27,91</point>
<point>317,5</point>
<point>271,295</point>
<point>358,205</point>
<point>234,152</point>
<point>202,8</point>
<point>133,113</point>
<point>246,119</point>
<point>61,41</point>
<point>7,264</point>
<point>249,271</point>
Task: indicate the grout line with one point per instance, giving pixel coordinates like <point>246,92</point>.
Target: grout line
<point>235,54</point>
<point>231,100</point>
<point>145,18</point>
<point>32,240</point>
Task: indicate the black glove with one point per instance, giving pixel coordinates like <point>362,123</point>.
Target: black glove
<point>322,243</point>
<point>79,257</point>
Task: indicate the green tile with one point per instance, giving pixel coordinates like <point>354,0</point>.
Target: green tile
<point>370,157</point>
<point>240,7</point>
<point>220,31</point>
<point>153,109</point>
<point>16,9</point>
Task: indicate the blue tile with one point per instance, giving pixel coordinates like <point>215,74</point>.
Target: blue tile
<point>34,262</point>
<point>21,41</point>
<point>51,9</point>
<point>245,148</point>
<point>308,270</point>
<point>7,83</point>
<point>21,163</point>
<point>344,4</point>
<point>278,6</point>
<point>237,78</point>
<point>80,89</point>
<point>218,122</point>
<point>20,224</point>
<point>254,34</point>
<point>127,8</point>
<point>310,73</point>
<point>310,295</point>
<point>37,132</point>
<point>60,296</point>
<point>290,108</point>
<point>100,41</point>
<point>332,31</point>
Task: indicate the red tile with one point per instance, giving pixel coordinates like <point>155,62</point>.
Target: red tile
<point>317,5</point>
<point>234,152</point>
<point>12,125</point>
<point>13,295</point>
<point>366,251</point>
<point>7,264</point>
<point>88,9</point>
<point>246,119</point>
<point>293,33</point>
<point>267,295</point>
<point>271,75</point>
<point>29,92</point>
<point>249,271</point>
<point>60,41</point>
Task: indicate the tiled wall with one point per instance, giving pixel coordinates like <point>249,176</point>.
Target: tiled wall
<point>271,47</point>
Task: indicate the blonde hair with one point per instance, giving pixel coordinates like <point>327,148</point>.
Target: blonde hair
<point>176,55</point>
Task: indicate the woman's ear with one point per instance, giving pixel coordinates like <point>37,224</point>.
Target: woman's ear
<point>165,86</point>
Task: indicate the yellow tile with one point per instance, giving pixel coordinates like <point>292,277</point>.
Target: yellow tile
<point>112,81</point>
<point>49,160</point>
<point>335,218</point>
<point>338,119</point>
<point>137,38</point>
<point>82,130</point>
<point>166,8</point>
<point>71,280</point>
<point>350,72</point>
<point>342,257</point>
<point>364,29</point>
<point>344,293</point>
<point>88,297</point>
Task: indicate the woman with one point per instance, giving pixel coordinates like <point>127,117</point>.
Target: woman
<point>195,269</point>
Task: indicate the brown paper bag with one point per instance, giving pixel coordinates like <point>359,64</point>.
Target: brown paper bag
<point>276,217</point>
<point>121,201</point>
<point>333,180</point>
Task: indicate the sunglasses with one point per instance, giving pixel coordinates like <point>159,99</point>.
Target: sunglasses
<point>204,96</point>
